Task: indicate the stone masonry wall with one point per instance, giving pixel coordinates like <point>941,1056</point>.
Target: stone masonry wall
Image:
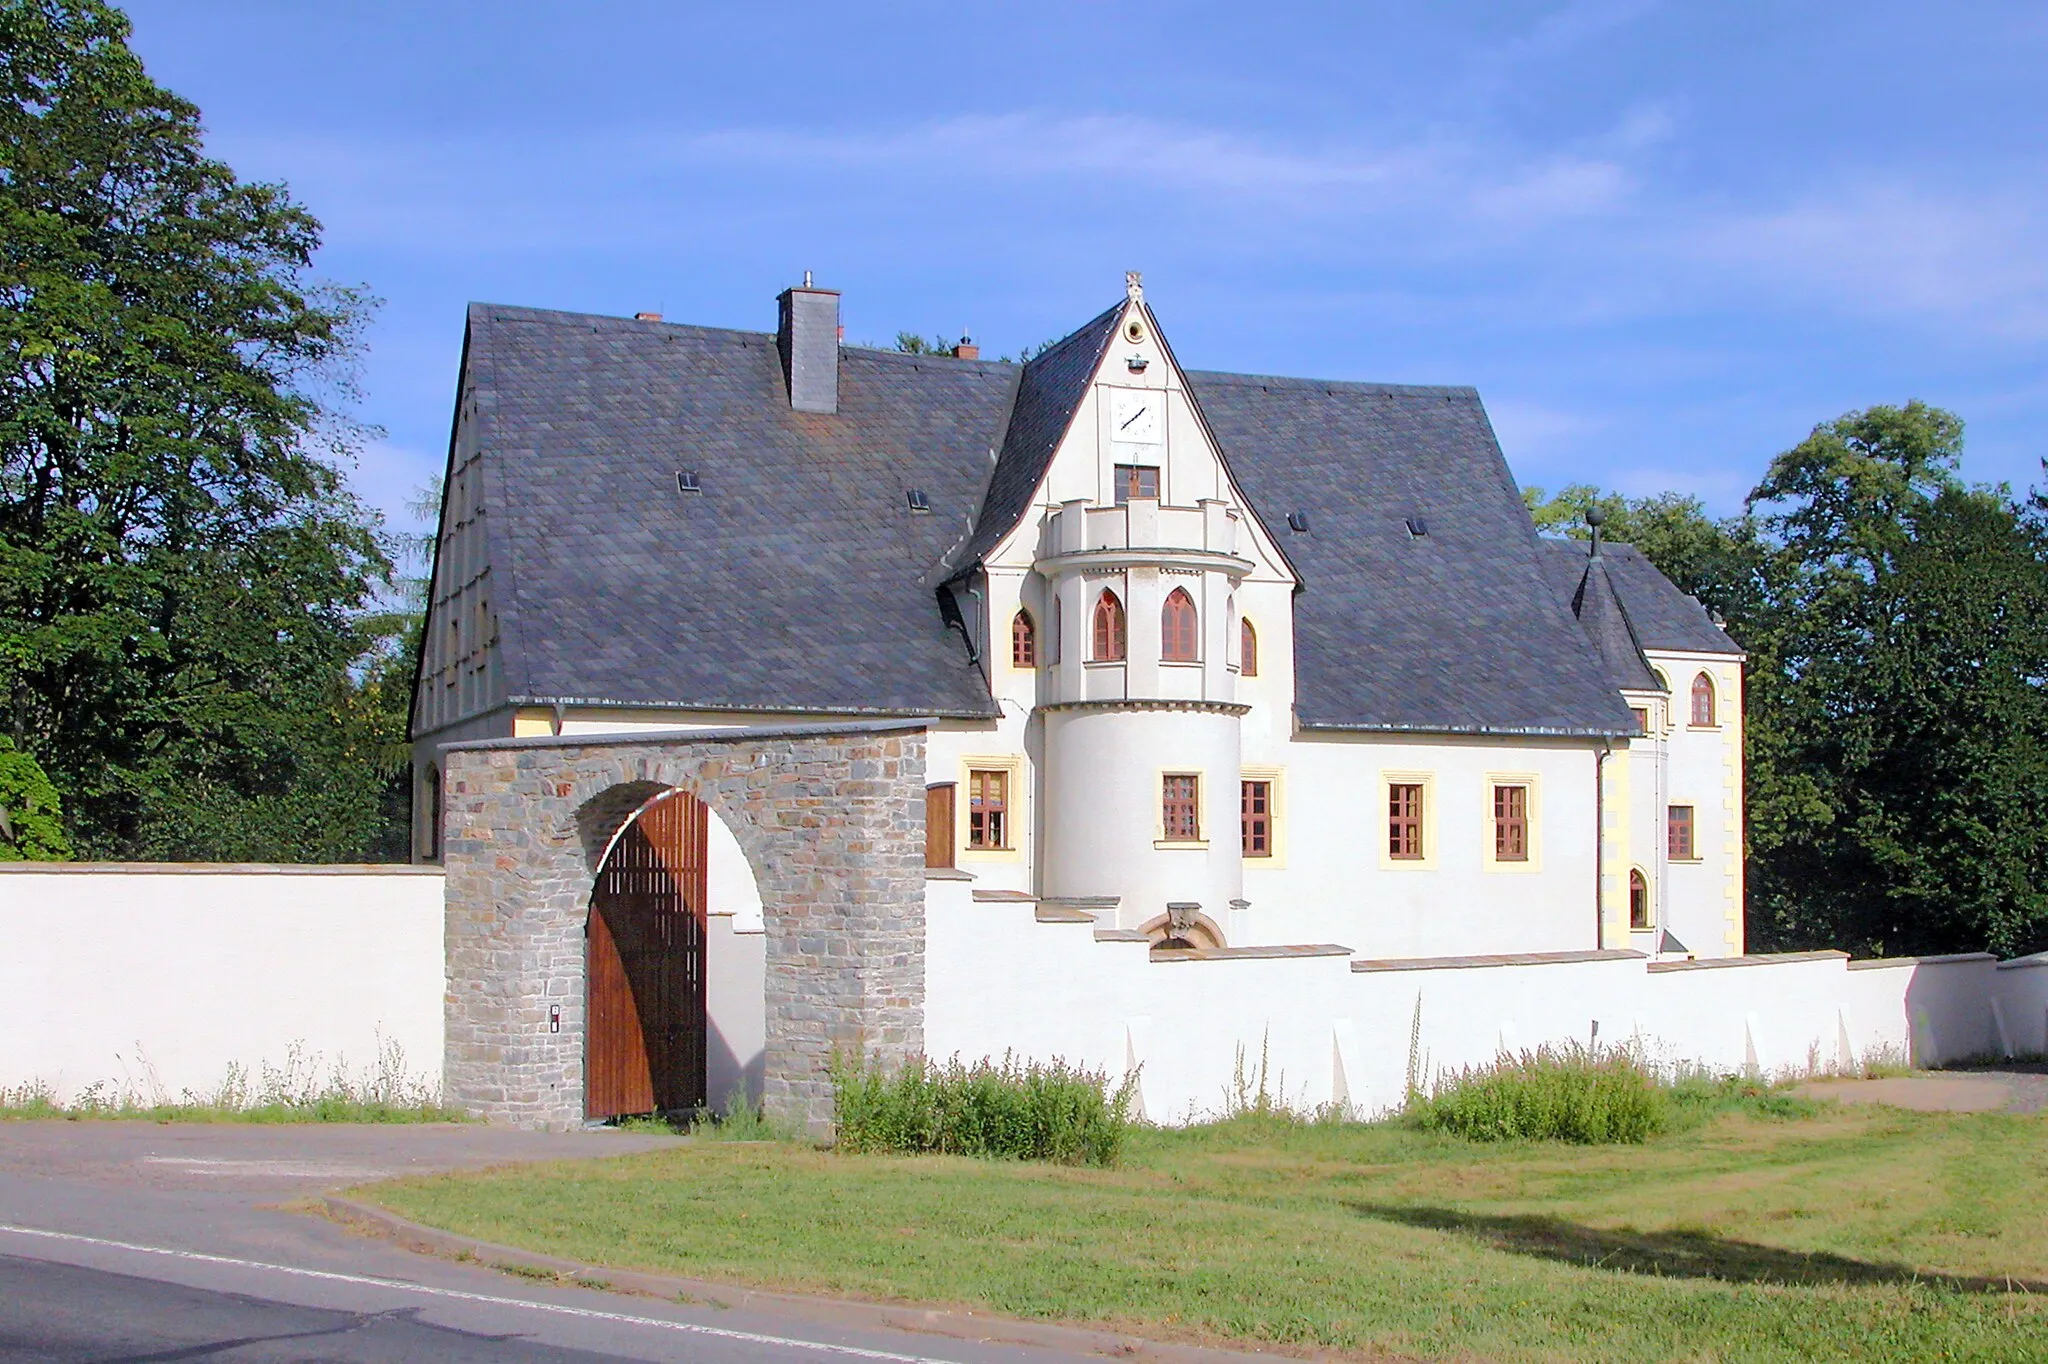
<point>831,818</point>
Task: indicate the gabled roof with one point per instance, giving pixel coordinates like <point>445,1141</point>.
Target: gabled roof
<point>1457,630</point>
<point>1659,615</point>
<point>799,581</point>
<point>792,582</point>
<point>1051,387</point>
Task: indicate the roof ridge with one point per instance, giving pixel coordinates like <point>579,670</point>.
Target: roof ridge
<point>1333,385</point>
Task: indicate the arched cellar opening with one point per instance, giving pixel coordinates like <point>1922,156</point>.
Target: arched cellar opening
<point>675,966</point>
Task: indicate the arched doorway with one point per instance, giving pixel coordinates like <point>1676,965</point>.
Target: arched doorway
<point>644,959</point>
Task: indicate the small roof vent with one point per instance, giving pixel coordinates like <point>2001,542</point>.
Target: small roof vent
<point>647,317</point>
<point>1417,527</point>
<point>1298,522</point>
<point>917,500</point>
<point>686,481</point>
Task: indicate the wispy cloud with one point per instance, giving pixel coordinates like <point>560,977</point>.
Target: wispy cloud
<point>1891,248</point>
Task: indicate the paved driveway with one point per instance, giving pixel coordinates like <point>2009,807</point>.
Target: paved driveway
<point>2021,1089</point>
<point>139,1240</point>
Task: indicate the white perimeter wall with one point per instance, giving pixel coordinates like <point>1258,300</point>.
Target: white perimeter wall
<point>999,981</point>
<point>158,978</point>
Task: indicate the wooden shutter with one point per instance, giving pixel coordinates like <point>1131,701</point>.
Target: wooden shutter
<point>938,825</point>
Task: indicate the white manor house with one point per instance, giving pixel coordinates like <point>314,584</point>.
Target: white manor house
<point>1215,665</point>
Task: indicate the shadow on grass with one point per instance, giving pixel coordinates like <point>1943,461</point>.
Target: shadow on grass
<point>1675,1254</point>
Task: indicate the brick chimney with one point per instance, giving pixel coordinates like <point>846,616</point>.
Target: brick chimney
<point>807,335</point>
<point>966,350</point>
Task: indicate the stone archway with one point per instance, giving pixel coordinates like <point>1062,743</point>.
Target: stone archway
<point>831,818</point>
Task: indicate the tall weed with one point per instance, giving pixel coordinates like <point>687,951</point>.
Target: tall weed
<point>1013,1110</point>
<point>1570,1093</point>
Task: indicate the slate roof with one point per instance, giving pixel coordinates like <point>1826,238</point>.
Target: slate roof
<point>1659,615</point>
<point>1051,387</point>
<point>1454,631</point>
<point>1598,608</point>
<point>798,580</point>
<point>793,582</point>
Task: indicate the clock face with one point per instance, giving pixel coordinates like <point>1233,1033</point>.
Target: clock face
<point>1134,417</point>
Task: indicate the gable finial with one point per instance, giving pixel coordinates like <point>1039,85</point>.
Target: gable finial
<point>1134,285</point>
<point>1595,519</point>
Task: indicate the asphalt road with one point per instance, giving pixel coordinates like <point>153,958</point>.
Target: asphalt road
<point>138,1242</point>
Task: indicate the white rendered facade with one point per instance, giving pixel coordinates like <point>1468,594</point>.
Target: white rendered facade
<point>1084,745</point>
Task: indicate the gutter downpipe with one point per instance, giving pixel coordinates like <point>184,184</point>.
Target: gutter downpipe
<point>1600,845</point>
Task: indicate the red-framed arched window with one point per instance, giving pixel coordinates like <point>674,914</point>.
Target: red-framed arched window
<point>1638,900</point>
<point>1179,630</point>
<point>1109,628</point>
<point>1703,700</point>
<point>1023,640</point>
<point>1247,649</point>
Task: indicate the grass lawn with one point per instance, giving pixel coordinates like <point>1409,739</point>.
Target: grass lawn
<point>1863,1233</point>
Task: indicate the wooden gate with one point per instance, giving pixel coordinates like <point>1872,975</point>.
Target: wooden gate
<point>644,955</point>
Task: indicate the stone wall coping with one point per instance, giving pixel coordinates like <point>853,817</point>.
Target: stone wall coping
<point>1121,935</point>
<point>1495,959</point>
<point>2023,963</point>
<point>218,869</point>
<point>727,735</point>
<point>1307,949</point>
<point>1761,959</point>
<point>1952,959</point>
<point>947,874</point>
<point>1004,897</point>
<point>1059,914</point>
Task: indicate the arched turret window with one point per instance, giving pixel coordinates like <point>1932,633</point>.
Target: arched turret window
<point>1703,700</point>
<point>1247,649</point>
<point>1059,631</point>
<point>1179,630</point>
<point>1638,900</point>
<point>1023,640</point>
<point>1109,628</point>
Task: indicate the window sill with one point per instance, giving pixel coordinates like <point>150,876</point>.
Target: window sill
<point>1686,861</point>
<point>1192,845</point>
<point>1103,663</point>
<point>1190,663</point>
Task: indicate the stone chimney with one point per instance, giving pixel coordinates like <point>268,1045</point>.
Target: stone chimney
<point>807,335</point>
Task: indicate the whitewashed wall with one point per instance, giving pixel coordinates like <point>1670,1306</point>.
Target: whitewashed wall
<point>158,978</point>
<point>1000,981</point>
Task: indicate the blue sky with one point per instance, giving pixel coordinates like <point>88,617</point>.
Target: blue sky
<point>1662,240</point>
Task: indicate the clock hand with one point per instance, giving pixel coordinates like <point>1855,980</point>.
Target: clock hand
<point>1133,417</point>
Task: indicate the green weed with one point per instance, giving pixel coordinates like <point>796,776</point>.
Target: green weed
<point>1052,1112</point>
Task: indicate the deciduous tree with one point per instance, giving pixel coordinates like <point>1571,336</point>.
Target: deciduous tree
<point>182,572</point>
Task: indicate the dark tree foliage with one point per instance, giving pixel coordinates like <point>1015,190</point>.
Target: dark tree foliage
<point>182,574</point>
<point>1897,688</point>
